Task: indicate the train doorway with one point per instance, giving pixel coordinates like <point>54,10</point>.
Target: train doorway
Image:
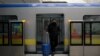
<point>84,38</point>
<point>42,21</point>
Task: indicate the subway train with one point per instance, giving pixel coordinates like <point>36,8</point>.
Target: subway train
<point>31,20</point>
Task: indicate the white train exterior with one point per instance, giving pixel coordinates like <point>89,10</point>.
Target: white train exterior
<point>28,13</point>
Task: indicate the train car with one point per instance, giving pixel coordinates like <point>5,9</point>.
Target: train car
<point>37,16</point>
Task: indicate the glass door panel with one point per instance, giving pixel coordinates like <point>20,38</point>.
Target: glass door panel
<point>87,30</point>
<point>6,33</point>
<point>1,34</point>
<point>96,33</point>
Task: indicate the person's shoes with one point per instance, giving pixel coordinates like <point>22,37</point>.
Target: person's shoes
<point>52,54</point>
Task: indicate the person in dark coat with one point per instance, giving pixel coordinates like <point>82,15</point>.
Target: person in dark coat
<point>53,30</point>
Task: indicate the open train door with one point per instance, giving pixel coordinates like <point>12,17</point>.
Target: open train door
<point>42,22</point>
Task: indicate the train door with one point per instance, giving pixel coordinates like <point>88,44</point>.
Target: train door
<point>42,22</point>
<point>84,38</point>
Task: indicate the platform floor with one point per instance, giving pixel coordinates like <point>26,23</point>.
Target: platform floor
<point>42,55</point>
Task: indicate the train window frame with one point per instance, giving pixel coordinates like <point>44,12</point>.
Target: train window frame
<point>8,34</point>
<point>5,19</point>
<point>81,33</point>
<point>22,35</point>
<point>3,40</point>
<point>91,22</point>
<point>89,34</point>
<point>91,38</point>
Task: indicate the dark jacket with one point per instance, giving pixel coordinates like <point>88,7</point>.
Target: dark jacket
<point>53,28</point>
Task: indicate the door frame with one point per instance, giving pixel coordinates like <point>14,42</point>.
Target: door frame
<point>50,21</point>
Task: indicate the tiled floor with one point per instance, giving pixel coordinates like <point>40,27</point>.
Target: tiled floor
<point>49,55</point>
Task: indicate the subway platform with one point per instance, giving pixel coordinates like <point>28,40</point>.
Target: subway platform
<point>42,55</point>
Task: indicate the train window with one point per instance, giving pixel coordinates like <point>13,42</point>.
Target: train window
<point>91,18</point>
<point>4,28</point>
<point>95,33</point>
<point>6,18</point>
<point>87,31</point>
<point>17,33</point>
<point>76,33</point>
<point>93,29</point>
<point>5,33</point>
<point>1,34</point>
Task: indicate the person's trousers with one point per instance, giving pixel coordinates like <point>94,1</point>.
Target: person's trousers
<point>53,41</point>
